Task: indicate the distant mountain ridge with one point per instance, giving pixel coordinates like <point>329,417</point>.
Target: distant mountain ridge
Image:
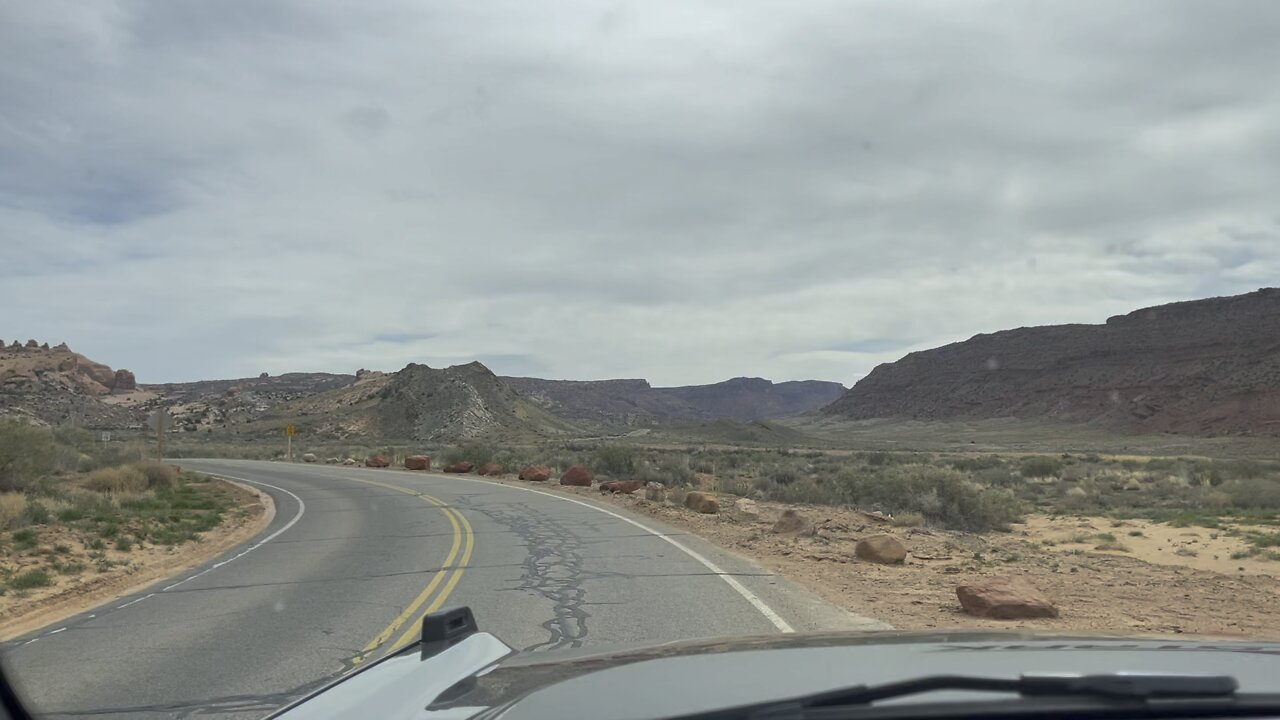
<point>1202,367</point>
<point>633,402</point>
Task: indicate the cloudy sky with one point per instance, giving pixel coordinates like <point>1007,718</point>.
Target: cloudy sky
<point>683,191</point>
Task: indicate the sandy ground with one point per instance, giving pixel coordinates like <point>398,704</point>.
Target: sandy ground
<point>1149,588</point>
<point>71,594</point>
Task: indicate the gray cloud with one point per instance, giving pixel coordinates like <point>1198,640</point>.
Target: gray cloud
<point>678,191</point>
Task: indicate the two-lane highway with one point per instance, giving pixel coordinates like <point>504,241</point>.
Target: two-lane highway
<point>352,560</point>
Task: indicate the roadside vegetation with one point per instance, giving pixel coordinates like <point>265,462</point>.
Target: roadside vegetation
<point>71,506</point>
<point>963,491</point>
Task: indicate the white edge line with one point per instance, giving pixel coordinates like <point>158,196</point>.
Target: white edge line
<point>770,614</point>
<point>302,508</point>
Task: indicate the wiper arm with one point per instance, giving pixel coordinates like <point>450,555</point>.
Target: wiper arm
<point>1122,687</point>
<point>1118,685</point>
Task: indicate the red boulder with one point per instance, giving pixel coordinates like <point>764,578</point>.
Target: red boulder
<point>417,462</point>
<point>377,461</point>
<point>490,469</point>
<point>576,475</point>
<point>460,467</point>
<point>626,487</point>
<point>536,473</point>
<point>1005,598</point>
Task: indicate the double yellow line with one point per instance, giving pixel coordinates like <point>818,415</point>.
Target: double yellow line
<point>449,574</point>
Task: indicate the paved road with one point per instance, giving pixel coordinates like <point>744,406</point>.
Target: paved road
<point>355,556</point>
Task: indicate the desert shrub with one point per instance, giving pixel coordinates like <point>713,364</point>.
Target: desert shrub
<point>815,491</point>
<point>26,453</point>
<point>38,513</point>
<point>158,474</point>
<point>974,464</point>
<point>614,460</point>
<point>1253,493</point>
<point>782,475</point>
<point>998,477</point>
<point>946,497</point>
<point>676,470</point>
<point>1247,469</point>
<point>25,539</point>
<point>13,508</point>
<point>1040,466</point>
<point>476,452</point>
<point>30,579</point>
<point>123,479</point>
<point>907,519</point>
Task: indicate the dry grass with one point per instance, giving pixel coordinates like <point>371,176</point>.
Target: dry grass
<point>158,475</point>
<point>125,479</point>
<point>13,507</point>
<point>907,519</point>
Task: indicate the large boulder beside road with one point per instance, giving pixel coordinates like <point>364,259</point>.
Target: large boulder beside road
<point>349,461</point>
<point>1005,598</point>
<point>309,457</point>
<point>377,461</point>
<point>655,491</point>
<point>576,475</point>
<point>536,473</point>
<point>884,549</point>
<point>490,469</point>
<point>702,502</point>
<point>625,487</point>
<point>793,523</point>
<point>746,509</point>
<point>463,466</point>
<point>417,462</point>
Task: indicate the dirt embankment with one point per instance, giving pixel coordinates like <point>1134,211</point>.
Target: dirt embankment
<point>125,572</point>
<point>1158,580</point>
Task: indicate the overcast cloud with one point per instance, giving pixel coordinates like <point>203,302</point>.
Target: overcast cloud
<point>682,191</point>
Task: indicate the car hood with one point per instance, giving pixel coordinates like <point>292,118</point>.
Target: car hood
<point>481,677</point>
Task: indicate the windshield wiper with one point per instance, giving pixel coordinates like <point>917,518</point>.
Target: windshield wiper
<point>1123,689</point>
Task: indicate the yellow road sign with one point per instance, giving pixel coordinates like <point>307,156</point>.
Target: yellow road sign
<point>288,430</point>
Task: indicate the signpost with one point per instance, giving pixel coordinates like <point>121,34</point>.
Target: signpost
<point>288,433</point>
<point>160,421</point>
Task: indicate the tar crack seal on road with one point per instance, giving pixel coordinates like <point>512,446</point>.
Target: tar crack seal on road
<point>552,569</point>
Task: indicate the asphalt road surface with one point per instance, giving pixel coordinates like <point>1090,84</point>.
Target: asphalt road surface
<point>355,556</point>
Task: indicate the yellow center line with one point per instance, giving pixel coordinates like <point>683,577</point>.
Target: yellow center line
<point>413,632</point>
<point>463,538</point>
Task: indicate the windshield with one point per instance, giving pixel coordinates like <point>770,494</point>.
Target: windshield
<point>625,324</point>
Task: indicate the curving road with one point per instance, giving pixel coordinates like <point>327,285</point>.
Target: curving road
<point>355,556</point>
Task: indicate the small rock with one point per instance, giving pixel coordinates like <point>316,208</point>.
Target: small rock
<point>746,509</point>
<point>884,549</point>
<point>793,523</point>
<point>655,492</point>
<point>331,461</point>
<point>463,466</point>
<point>417,462</point>
<point>493,469</point>
<point>309,457</point>
<point>625,487</point>
<point>377,461</point>
<point>702,502</point>
<point>536,473</point>
<point>576,475</point>
<point>349,461</point>
<point>1005,598</point>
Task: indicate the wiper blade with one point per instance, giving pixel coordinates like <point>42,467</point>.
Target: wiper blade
<point>1118,685</point>
<point>1121,687</point>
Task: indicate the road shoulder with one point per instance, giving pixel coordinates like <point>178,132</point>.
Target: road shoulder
<point>143,570</point>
